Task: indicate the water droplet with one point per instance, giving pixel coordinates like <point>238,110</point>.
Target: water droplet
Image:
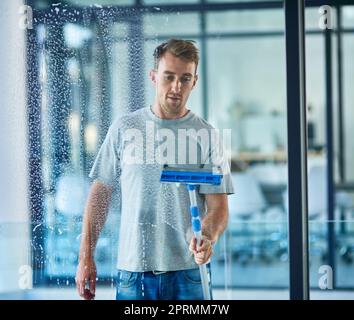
<point>34,229</point>
<point>142,285</point>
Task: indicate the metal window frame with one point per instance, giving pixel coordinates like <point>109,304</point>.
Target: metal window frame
<point>297,149</point>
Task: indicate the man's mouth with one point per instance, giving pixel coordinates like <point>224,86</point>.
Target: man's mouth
<point>174,98</point>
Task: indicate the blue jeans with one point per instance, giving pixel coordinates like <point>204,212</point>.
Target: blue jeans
<point>172,285</point>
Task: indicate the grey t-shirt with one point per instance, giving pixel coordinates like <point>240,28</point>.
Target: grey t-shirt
<point>155,228</point>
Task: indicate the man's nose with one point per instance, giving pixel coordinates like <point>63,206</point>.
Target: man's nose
<point>176,86</point>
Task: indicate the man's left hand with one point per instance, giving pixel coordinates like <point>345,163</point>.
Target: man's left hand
<point>202,253</point>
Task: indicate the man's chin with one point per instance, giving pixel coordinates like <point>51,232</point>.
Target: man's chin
<point>174,108</point>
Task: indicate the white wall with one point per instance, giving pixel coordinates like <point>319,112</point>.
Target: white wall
<point>14,208</point>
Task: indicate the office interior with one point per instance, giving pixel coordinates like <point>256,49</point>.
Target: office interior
<point>77,65</point>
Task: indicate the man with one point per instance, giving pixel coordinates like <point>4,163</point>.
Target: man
<point>155,233</point>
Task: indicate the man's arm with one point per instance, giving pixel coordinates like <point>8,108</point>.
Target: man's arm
<point>213,225</point>
<point>94,219</point>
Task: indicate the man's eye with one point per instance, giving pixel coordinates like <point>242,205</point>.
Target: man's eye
<point>186,79</point>
<point>169,78</point>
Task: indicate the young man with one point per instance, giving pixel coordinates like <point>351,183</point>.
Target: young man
<point>157,254</point>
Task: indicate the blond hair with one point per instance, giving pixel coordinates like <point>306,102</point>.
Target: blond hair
<point>183,49</point>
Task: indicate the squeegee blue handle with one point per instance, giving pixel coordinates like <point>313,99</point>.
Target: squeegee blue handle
<point>197,230</point>
<point>196,225</point>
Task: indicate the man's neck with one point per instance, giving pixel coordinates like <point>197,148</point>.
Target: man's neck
<point>160,113</point>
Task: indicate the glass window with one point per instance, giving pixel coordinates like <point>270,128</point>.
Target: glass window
<point>245,20</point>
<point>314,18</point>
<point>89,71</point>
<point>348,98</point>
<point>243,75</point>
<point>344,197</point>
<point>120,32</point>
<point>181,24</point>
<point>222,1</point>
<point>120,79</point>
<point>323,274</point>
<point>315,89</point>
<point>243,82</point>
<point>41,4</point>
<point>101,3</point>
<point>169,2</point>
<point>96,79</point>
<point>74,126</point>
<point>348,16</point>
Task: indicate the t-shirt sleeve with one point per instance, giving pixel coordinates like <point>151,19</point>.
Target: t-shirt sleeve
<point>106,168</point>
<point>217,157</point>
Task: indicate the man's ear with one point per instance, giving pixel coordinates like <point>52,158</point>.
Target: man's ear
<point>152,75</point>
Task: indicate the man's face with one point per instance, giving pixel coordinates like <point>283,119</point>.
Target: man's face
<point>174,80</point>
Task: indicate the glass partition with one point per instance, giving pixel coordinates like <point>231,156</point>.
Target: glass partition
<point>330,229</point>
<point>88,63</point>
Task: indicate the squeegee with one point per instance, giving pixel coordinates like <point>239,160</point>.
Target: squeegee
<point>192,176</point>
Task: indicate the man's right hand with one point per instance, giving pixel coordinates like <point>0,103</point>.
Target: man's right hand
<point>86,274</point>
